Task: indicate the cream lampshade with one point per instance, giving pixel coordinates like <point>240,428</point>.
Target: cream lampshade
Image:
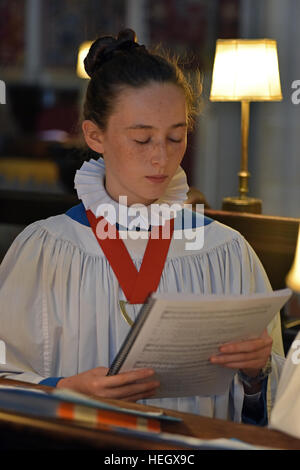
<point>80,71</point>
<point>245,70</point>
<point>293,277</point>
<point>82,53</point>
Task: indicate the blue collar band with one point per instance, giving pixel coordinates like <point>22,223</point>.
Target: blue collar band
<point>184,219</point>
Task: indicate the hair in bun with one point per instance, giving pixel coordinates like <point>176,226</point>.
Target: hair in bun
<point>106,47</point>
<point>114,63</point>
<point>127,35</point>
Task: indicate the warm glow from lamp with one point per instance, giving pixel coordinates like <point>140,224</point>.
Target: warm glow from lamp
<point>293,277</point>
<point>83,51</point>
<point>246,69</point>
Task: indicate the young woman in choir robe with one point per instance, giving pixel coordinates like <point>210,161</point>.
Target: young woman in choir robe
<point>60,289</point>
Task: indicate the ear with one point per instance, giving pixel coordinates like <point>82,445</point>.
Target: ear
<point>93,136</point>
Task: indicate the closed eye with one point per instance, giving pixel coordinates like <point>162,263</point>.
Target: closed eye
<point>142,142</point>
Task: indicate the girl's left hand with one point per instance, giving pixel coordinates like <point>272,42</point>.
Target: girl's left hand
<point>250,356</point>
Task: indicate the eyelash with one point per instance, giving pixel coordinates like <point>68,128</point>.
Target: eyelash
<point>148,140</point>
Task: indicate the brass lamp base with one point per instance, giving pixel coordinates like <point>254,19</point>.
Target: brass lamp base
<point>246,204</point>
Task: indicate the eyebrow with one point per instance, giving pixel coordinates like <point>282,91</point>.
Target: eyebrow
<point>145,126</point>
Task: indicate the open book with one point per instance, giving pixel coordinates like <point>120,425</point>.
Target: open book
<point>176,334</point>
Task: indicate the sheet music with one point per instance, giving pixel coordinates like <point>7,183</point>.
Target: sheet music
<point>180,335</point>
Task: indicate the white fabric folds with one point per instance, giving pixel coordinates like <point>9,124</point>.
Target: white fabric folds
<point>59,302</point>
<point>285,415</point>
<point>89,183</point>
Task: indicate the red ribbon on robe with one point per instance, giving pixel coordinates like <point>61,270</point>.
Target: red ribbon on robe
<point>136,285</point>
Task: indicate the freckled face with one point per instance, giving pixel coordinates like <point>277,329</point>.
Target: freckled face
<point>144,142</point>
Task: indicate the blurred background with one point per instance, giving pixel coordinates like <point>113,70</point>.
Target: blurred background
<point>40,141</point>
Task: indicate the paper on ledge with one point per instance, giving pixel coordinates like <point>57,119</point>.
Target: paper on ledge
<point>81,399</point>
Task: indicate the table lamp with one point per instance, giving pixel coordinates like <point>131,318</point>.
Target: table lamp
<point>245,70</point>
<point>293,277</point>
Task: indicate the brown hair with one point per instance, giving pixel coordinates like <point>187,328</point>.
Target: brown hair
<point>116,63</point>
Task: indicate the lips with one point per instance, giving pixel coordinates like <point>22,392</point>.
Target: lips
<point>157,178</point>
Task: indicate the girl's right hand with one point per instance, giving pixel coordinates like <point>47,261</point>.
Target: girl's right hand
<point>130,386</point>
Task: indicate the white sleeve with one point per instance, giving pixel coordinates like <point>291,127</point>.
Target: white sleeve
<point>286,410</point>
<point>22,324</point>
<point>260,283</point>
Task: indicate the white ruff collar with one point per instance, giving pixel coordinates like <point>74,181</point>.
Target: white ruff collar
<point>89,184</point>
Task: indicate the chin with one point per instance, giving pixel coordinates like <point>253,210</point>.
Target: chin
<point>148,196</point>
<point>154,196</point>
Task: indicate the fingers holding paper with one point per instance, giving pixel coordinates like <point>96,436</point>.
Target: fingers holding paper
<point>130,386</point>
<point>250,356</point>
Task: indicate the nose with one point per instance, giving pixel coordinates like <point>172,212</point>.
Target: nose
<point>160,155</point>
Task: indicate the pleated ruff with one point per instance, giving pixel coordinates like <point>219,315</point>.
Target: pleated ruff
<point>89,184</point>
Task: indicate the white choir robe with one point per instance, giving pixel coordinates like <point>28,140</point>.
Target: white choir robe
<point>285,415</point>
<point>59,301</point>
